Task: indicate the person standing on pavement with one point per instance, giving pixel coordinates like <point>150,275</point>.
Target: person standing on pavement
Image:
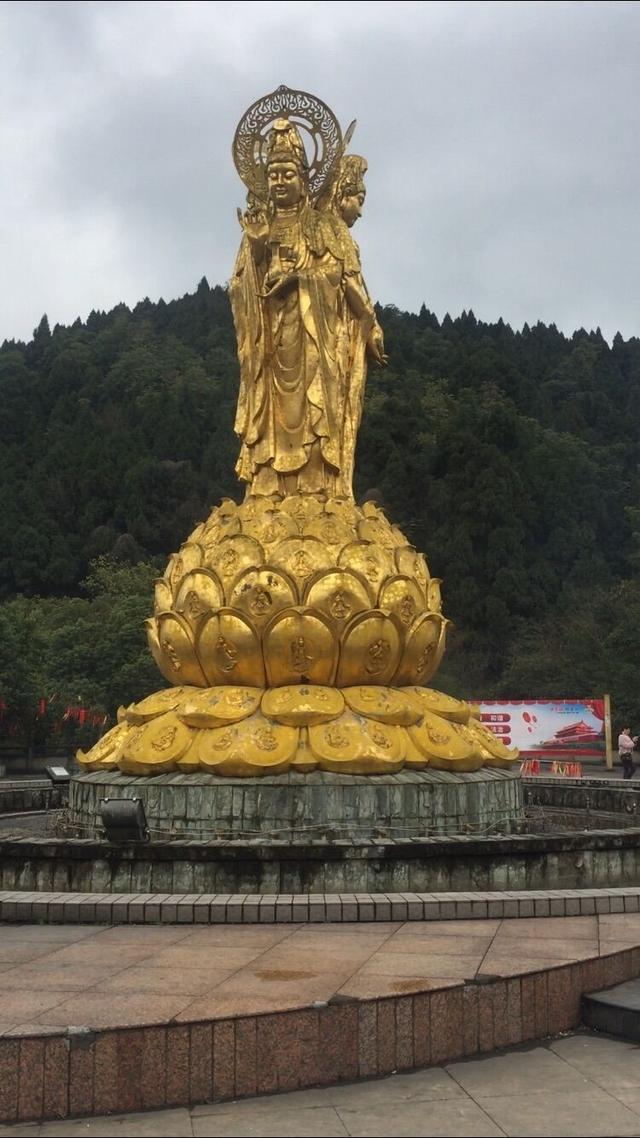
<point>625,751</point>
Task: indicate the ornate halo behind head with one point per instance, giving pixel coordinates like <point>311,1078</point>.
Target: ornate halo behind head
<point>318,127</point>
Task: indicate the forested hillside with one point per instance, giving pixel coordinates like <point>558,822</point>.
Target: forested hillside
<point>510,458</point>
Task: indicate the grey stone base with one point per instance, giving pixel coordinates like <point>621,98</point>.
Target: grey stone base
<point>411,804</point>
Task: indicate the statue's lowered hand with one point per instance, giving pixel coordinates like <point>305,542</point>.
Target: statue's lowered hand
<point>375,349</point>
<point>281,285</point>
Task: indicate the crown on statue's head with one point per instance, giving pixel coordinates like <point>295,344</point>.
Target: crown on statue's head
<point>284,144</point>
<point>351,174</point>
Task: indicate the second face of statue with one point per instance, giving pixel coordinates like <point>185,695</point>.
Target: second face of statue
<point>351,207</point>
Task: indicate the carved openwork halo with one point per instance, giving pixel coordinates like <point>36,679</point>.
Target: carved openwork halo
<point>318,126</point>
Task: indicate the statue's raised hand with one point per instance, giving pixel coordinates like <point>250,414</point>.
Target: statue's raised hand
<point>254,224</point>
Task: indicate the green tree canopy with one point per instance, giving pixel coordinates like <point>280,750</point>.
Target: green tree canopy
<point>510,458</point>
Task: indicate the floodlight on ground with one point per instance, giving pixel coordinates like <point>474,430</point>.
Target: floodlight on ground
<point>58,774</point>
<point>124,820</point>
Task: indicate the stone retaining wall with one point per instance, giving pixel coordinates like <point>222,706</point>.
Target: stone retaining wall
<point>584,795</point>
<point>525,861</point>
<point>22,795</point>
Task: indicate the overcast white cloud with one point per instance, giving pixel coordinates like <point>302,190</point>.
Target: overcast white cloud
<point>502,141</point>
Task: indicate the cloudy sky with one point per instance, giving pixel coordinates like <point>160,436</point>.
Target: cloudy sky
<point>503,143</point>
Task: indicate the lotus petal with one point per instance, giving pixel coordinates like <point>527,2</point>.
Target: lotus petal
<point>340,594</point>
<point>301,557</point>
<point>423,650</point>
<point>300,705</point>
<point>355,745</point>
<point>163,596</point>
<point>378,531</point>
<point>301,507</point>
<point>370,650</point>
<point>370,561</point>
<point>157,746</point>
<point>413,757</point>
<point>219,706</point>
<point>441,743</point>
<point>178,660</point>
<point>189,763</point>
<point>124,764</point>
<point>330,530</point>
<point>261,593</point>
<point>478,750</point>
<point>189,557</point>
<point>157,704</point>
<point>270,528</point>
<point>438,703</point>
<point>232,556</point>
<point>216,529</point>
<point>151,627</point>
<point>347,511</point>
<point>413,564</point>
<point>300,647</point>
<point>254,746</point>
<point>199,594</point>
<point>104,754</point>
<point>442,641</point>
<point>197,533</point>
<point>434,596</point>
<point>229,649</point>
<point>256,506</point>
<point>493,750</point>
<point>403,597</point>
<point>304,759</point>
<point>387,705</point>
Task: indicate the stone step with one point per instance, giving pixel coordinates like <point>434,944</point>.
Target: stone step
<point>614,1010</point>
<point>242,908</point>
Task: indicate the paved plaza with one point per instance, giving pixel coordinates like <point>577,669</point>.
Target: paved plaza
<point>115,1018</point>
<point>583,1085</point>
<point>87,975</point>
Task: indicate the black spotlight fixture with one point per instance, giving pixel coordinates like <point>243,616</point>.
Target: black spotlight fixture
<point>124,820</point>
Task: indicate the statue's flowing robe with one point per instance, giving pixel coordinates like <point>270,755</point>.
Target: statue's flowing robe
<point>355,365</point>
<point>302,361</point>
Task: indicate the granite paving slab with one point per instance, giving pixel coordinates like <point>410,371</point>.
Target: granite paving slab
<point>102,977</point>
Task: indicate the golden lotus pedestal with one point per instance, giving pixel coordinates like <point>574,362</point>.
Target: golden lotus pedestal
<point>297,634</point>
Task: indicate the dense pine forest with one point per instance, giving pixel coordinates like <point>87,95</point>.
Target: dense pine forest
<point>510,458</point>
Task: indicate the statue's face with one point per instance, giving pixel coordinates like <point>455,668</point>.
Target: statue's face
<point>351,208</point>
<point>285,183</point>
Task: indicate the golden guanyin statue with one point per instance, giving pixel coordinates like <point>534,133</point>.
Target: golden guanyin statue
<point>298,630</point>
<point>305,325</point>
